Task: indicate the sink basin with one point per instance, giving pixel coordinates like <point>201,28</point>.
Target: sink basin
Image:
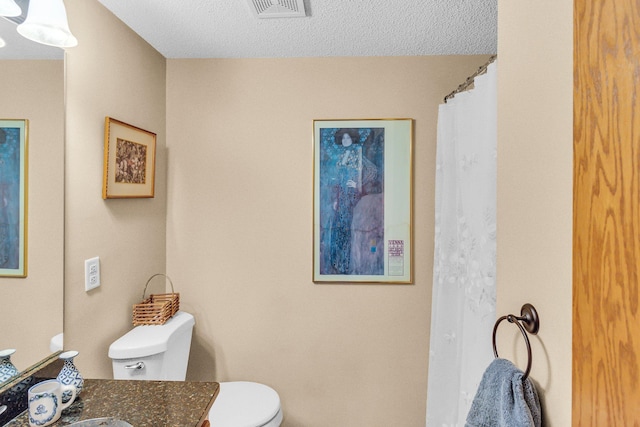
<point>97,422</point>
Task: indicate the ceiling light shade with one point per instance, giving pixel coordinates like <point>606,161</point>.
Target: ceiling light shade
<point>46,23</point>
<point>9,8</point>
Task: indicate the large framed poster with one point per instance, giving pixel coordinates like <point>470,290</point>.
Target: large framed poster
<point>362,201</point>
<point>13,197</point>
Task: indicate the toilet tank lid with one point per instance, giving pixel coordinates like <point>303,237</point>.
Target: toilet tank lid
<point>147,340</point>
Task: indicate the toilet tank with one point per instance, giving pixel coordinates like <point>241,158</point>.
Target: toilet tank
<point>154,352</point>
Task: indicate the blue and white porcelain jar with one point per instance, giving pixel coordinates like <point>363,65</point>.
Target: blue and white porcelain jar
<point>7,370</point>
<point>69,374</point>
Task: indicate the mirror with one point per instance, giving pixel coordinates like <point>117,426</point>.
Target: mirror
<point>32,88</point>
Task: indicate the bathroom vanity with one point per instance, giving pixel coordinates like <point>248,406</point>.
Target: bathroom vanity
<point>140,403</point>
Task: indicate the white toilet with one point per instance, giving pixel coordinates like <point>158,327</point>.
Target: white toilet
<point>162,353</point>
<point>56,343</point>
<point>246,404</point>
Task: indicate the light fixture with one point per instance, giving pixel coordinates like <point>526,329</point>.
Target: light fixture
<point>9,8</point>
<point>46,23</point>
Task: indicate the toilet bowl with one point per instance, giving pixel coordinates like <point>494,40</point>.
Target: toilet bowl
<point>161,352</point>
<point>246,404</point>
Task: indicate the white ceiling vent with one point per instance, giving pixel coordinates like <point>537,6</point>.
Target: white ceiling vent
<point>277,8</point>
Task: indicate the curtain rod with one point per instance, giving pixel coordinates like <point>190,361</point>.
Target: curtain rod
<point>464,86</point>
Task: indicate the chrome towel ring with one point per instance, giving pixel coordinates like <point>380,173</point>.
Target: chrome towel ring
<point>528,317</point>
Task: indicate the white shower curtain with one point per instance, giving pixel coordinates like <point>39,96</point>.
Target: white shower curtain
<point>464,270</point>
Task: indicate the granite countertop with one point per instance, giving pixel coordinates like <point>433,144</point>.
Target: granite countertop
<point>140,403</point>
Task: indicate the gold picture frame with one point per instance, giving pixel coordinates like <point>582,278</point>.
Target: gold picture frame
<point>363,201</point>
<point>14,185</point>
<point>129,161</point>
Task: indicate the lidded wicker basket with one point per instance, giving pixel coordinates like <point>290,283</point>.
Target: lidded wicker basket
<point>157,308</point>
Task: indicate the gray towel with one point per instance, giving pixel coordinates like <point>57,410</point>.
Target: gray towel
<point>504,400</point>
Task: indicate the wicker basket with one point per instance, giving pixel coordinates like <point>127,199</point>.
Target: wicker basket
<point>158,308</point>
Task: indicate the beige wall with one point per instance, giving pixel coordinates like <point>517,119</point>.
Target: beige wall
<point>111,72</point>
<point>239,233</point>
<point>34,90</point>
<point>535,169</point>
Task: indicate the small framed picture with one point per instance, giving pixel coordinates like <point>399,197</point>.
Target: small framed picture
<point>129,161</point>
<point>362,201</point>
<point>14,166</point>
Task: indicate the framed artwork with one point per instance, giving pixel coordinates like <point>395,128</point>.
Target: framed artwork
<point>129,161</point>
<point>362,201</point>
<point>14,166</point>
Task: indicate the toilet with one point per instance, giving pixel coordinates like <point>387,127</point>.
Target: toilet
<point>246,404</point>
<point>56,343</point>
<point>162,353</point>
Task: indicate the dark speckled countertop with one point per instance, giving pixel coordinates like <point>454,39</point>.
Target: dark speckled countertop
<point>140,403</point>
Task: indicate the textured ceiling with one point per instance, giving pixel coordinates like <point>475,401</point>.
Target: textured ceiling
<point>229,29</point>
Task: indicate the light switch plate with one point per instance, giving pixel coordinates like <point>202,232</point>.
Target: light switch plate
<point>91,273</point>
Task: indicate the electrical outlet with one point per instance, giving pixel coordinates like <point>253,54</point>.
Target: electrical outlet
<point>91,273</point>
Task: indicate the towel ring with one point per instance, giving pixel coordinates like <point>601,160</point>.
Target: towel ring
<point>528,316</point>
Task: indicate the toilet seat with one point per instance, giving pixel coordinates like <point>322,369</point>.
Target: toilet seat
<point>246,404</point>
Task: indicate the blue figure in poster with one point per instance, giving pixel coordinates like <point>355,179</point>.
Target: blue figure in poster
<point>9,197</point>
<point>351,211</point>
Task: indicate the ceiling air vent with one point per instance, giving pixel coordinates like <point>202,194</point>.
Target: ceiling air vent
<point>277,8</point>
